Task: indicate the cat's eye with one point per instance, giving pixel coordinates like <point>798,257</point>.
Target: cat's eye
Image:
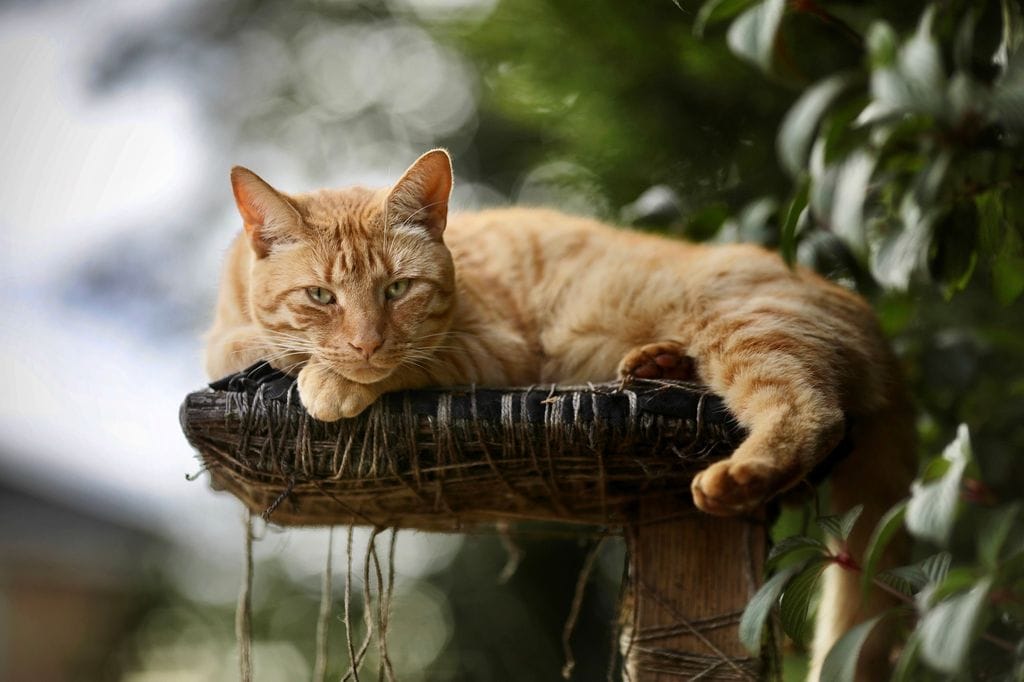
<point>397,288</point>
<point>320,295</point>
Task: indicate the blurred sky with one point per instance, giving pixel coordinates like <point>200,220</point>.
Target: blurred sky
<point>92,413</point>
<point>117,209</point>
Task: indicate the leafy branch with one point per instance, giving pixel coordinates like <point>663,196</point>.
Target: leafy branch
<point>951,605</point>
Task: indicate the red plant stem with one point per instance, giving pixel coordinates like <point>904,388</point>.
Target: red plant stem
<point>814,9</point>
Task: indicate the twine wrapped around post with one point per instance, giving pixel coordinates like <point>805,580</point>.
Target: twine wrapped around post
<point>620,457</point>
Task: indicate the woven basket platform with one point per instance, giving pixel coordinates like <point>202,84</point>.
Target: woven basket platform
<point>448,460</point>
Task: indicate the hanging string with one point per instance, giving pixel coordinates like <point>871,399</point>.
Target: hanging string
<point>513,552</point>
<point>243,611</point>
<point>384,599</point>
<point>324,619</point>
<point>357,660</point>
<point>384,668</point>
<point>348,609</point>
<point>368,619</point>
<point>577,603</point>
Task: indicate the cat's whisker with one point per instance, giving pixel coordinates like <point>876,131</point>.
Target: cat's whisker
<point>278,350</point>
<point>278,356</point>
<point>288,368</point>
<point>288,343</point>
<point>445,334</point>
<point>284,343</point>
<point>425,360</point>
<point>277,336</point>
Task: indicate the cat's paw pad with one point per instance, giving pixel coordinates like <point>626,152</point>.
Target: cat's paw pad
<point>733,487</point>
<point>328,396</point>
<point>662,360</point>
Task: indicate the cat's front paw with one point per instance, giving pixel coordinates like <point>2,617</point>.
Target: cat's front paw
<point>732,486</point>
<point>328,396</point>
<point>661,360</point>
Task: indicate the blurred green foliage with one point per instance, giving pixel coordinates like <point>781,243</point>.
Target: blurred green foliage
<point>628,92</point>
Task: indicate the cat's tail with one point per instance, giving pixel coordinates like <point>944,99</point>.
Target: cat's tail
<point>877,474</point>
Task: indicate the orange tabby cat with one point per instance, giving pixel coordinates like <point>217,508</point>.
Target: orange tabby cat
<point>362,292</point>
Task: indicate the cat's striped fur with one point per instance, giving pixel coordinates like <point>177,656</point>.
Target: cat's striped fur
<point>525,296</point>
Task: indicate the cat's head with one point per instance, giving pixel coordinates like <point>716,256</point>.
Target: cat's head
<point>358,278</point>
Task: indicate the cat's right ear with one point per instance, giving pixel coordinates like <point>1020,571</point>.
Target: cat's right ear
<point>421,196</point>
<point>267,214</point>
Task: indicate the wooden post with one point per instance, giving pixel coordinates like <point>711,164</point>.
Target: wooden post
<point>690,576</point>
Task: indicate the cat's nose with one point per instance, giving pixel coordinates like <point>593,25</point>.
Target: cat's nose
<point>367,345</point>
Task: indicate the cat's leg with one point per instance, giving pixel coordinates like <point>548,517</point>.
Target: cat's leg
<point>660,360</point>
<point>793,422</point>
<point>328,396</point>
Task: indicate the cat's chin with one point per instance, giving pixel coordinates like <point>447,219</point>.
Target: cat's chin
<point>367,375</point>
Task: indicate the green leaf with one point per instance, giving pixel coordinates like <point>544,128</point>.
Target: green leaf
<point>903,579</point>
<point>1013,33</point>
<point>933,506</point>
<point>891,97</point>
<point>920,60</point>
<point>754,217</point>
<point>955,580</point>
<point>751,630</point>
<point>794,545</point>
<point>841,662</point>
<point>798,128</point>
<point>830,524</point>
<point>796,207</point>
<point>1008,267</point>
<point>796,600</point>
<point>717,11</point>
<point>823,181</point>
<point>882,44</point>
<point>913,82</point>
<point>948,629</point>
<point>936,567</point>
<point>849,520</point>
<point>752,35</point>
<point>839,527</point>
<point>914,578</point>
<point>994,532</point>
<point>1008,94</point>
<point>990,208</point>
<point>847,209</point>
<point>884,531</point>
<point>903,252</point>
<point>928,182</point>
<point>934,470</point>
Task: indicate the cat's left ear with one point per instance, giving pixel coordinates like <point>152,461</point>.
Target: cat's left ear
<point>421,196</point>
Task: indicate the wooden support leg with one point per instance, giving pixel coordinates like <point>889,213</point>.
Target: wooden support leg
<point>690,577</point>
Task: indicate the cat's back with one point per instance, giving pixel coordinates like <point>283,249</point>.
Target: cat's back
<point>544,243</point>
<point>545,248</point>
<point>552,265</point>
